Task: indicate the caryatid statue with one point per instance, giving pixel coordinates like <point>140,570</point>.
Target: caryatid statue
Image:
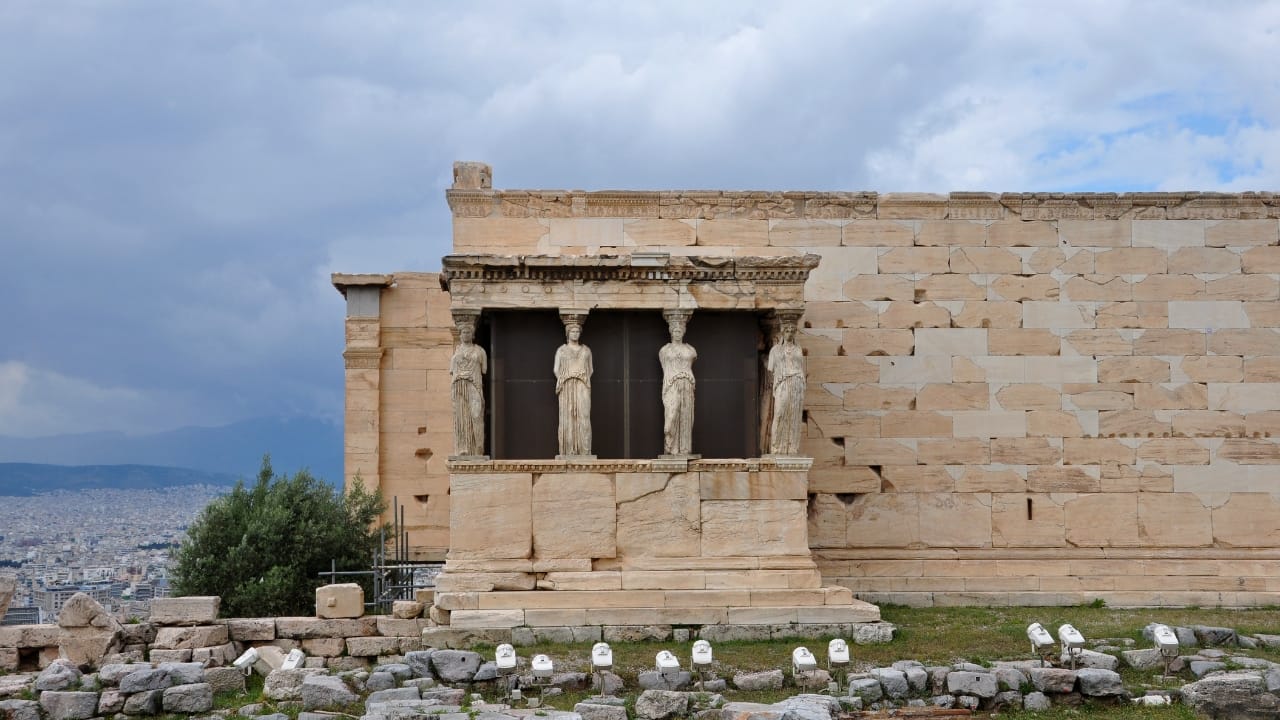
<point>573,389</point>
<point>786,366</point>
<point>467,368</point>
<point>677,359</point>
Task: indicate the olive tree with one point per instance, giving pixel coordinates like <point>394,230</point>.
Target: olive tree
<point>262,547</point>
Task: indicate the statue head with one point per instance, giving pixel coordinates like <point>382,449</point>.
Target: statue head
<point>677,331</point>
<point>466,333</point>
<point>573,331</point>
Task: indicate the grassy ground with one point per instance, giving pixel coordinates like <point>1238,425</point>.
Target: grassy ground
<point>933,636</point>
<point>942,636</point>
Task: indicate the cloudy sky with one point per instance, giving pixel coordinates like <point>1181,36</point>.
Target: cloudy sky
<point>178,179</point>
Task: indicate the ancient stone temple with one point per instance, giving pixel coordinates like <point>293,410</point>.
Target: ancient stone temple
<point>717,407</point>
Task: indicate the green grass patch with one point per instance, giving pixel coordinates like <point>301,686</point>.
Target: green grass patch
<point>938,636</point>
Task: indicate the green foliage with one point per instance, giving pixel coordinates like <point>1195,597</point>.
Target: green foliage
<point>263,547</point>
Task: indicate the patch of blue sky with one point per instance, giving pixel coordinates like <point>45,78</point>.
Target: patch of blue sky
<point>1079,163</point>
<point>1158,103</point>
<point>1219,124</point>
<point>1216,125</point>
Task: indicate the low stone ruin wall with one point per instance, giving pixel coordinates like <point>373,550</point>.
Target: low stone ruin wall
<point>185,630</point>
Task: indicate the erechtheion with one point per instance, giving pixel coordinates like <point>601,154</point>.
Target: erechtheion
<point>974,398</point>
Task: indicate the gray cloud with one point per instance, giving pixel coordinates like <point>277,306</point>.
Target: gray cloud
<point>178,179</point>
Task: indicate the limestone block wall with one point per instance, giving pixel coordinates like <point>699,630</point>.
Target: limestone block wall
<point>399,427</point>
<point>1030,398</point>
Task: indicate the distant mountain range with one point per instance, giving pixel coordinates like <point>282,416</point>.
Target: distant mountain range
<point>28,479</point>
<point>199,454</point>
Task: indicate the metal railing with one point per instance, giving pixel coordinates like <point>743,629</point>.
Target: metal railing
<point>393,575</point>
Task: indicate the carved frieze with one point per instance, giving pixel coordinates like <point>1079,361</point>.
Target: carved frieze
<point>363,358</point>
<point>974,206</point>
<point>471,203</point>
<point>760,205</point>
<point>481,467</point>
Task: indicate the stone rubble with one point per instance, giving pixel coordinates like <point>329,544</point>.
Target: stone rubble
<point>398,686</point>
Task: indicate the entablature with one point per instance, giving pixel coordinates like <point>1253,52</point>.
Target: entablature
<point>641,281</point>
<point>765,464</point>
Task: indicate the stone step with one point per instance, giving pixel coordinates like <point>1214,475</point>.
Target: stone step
<point>854,612</point>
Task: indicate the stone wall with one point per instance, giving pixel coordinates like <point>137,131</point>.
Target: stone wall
<point>1022,398</point>
<point>399,427</point>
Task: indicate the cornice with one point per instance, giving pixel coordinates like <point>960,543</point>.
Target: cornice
<point>865,205</point>
<point>342,281</point>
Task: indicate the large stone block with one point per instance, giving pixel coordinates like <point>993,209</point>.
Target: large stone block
<point>1027,520</point>
<point>731,232</point>
<point>1103,520</point>
<point>1248,520</point>
<point>952,232</point>
<point>839,264</point>
<point>574,516</point>
<point>1174,520</point>
<point>951,341</point>
<point>1096,233</point>
<point>884,520</point>
<point>491,516</point>
<point>991,479</point>
<point>340,600</point>
<point>972,451</point>
<point>984,314</point>
<point>1021,341</point>
<point>954,396</point>
<point>302,628</point>
<point>915,479</point>
<point>192,610</point>
<point>955,519</point>
<point>1207,314</point>
<point>199,636</point>
<point>658,515</point>
<point>1168,235</point>
<point>1018,233</point>
<point>906,314</point>
<point>1026,451</point>
<point>948,287</point>
<point>498,234</point>
<point>1038,314</point>
<point>828,526</point>
<point>251,629</point>
<point>909,260</point>
<point>660,232</point>
<point>69,705</point>
<point>990,424</point>
<point>753,527</point>
<point>1019,288</point>
<point>985,260</point>
<point>1097,288</point>
<point>1229,233</point>
<point>1246,397</point>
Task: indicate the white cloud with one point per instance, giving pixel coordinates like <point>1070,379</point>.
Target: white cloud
<point>36,402</point>
<point>178,179</point>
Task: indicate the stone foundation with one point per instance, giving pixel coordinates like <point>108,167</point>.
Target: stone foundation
<point>661,542</point>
